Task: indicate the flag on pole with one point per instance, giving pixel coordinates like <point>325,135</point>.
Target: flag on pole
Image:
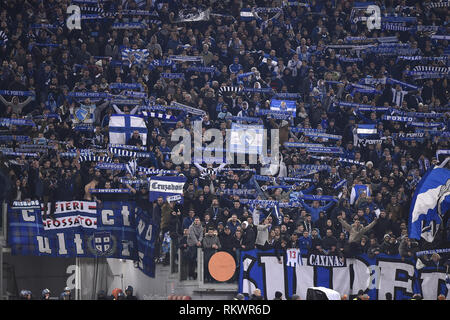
<point>430,202</point>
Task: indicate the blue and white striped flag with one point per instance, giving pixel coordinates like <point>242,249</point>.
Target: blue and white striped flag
<point>366,130</point>
<point>430,203</point>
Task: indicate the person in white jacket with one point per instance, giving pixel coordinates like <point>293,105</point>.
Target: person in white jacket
<point>263,234</point>
<point>294,64</point>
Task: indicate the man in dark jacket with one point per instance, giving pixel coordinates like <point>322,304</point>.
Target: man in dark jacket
<point>383,226</point>
<point>249,237</point>
<point>226,241</point>
<point>329,240</point>
<point>129,294</point>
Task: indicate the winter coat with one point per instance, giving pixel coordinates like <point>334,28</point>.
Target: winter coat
<point>356,233</point>
<point>209,241</point>
<point>195,235</point>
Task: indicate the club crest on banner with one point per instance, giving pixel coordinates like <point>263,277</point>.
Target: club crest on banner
<point>102,244</point>
<point>81,114</point>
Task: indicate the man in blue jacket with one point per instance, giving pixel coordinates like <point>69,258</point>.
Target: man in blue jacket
<point>315,209</point>
<point>304,242</point>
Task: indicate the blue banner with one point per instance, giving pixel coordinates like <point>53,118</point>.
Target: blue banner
<point>81,229</point>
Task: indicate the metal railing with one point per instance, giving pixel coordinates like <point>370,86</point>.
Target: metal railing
<point>180,270</point>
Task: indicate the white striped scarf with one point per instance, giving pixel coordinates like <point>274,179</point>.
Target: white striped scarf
<point>88,157</point>
<point>3,37</point>
<point>131,167</point>
<point>395,27</point>
<point>158,115</point>
<point>122,153</point>
<point>228,90</point>
<point>431,69</point>
<point>438,4</point>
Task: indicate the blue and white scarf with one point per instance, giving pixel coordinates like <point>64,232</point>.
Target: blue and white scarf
<point>87,158</point>
<point>287,95</point>
<point>7,122</point>
<point>122,152</point>
<point>17,93</point>
<point>121,86</point>
<point>128,25</point>
<point>346,160</point>
<point>323,135</point>
<point>306,130</point>
<point>186,58</point>
<point>237,191</point>
<point>14,138</point>
<point>119,191</point>
<point>302,145</point>
<point>334,150</point>
<point>111,166</point>
<point>258,90</point>
<point>172,75</point>
<point>276,114</point>
<point>340,184</point>
<point>156,171</point>
<point>247,119</point>
<point>19,154</point>
<point>201,69</point>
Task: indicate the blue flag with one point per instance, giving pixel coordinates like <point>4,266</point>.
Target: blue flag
<point>276,214</point>
<point>430,203</point>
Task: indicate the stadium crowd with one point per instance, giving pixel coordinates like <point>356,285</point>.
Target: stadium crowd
<point>316,52</point>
